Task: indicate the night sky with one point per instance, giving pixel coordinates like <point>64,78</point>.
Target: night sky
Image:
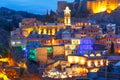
<point>33,6</point>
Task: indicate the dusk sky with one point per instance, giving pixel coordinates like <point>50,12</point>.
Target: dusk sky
<point>33,6</point>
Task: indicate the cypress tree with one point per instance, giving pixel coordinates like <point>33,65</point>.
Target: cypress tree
<point>112,49</point>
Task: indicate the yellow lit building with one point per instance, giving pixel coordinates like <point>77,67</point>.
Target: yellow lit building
<point>80,65</point>
<point>28,25</point>
<point>97,6</point>
<point>50,29</point>
<point>71,48</point>
<point>92,63</point>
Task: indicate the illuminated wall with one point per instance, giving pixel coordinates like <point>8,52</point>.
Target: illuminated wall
<point>93,64</point>
<point>46,29</point>
<point>97,6</point>
<point>77,59</point>
<point>58,51</point>
<point>42,55</point>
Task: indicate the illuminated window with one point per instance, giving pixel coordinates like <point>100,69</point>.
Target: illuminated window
<point>96,63</point>
<point>86,55</point>
<point>89,63</point>
<point>98,54</point>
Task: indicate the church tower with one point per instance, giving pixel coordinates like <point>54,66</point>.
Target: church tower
<point>67,16</point>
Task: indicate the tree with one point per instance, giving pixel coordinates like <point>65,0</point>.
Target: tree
<point>47,16</point>
<point>110,68</point>
<point>52,16</point>
<point>60,20</point>
<point>112,49</point>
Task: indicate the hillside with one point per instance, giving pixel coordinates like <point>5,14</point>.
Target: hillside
<point>4,44</point>
<point>9,18</point>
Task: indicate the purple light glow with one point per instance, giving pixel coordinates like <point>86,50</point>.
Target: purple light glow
<point>85,46</point>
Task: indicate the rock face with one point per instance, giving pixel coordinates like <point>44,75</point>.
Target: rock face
<point>78,8</point>
<point>107,18</point>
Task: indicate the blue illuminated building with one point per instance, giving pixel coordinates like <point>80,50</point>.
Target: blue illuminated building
<point>85,46</point>
<point>33,45</point>
<point>88,46</point>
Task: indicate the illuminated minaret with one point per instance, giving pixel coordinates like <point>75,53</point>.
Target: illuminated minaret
<point>67,16</point>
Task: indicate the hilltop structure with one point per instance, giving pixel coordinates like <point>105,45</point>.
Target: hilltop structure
<point>83,6</point>
<point>97,6</point>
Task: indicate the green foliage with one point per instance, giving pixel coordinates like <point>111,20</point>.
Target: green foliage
<point>9,19</point>
<point>18,49</point>
<point>50,17</point>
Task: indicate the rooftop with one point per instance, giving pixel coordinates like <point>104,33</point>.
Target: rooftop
<point>52,24</point>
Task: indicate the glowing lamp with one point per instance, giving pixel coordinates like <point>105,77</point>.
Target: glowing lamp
<point>98,54</point>
<point>118,51</point>
<point>85,55</point>
<point>119,4</point>
<point>12,43</point>
<point>92,55</point>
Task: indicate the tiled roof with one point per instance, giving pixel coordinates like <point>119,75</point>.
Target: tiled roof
<point>39,36</point>
<point>52,24</point>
